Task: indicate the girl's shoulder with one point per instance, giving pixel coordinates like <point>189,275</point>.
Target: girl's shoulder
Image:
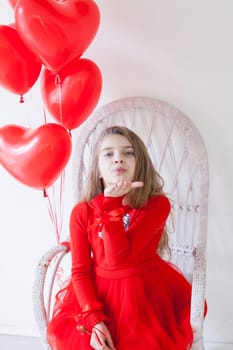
<point>79,209</point>
<point>159,201</point>
<point>159,198</point>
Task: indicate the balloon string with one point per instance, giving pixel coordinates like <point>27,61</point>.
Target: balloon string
<point>56,212</point>
<point>45,116</point>
<point>53,216</point>
<point>59,84</point>
<point>61,201</point>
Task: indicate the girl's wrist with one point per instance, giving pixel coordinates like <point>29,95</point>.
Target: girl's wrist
<point>86,322</point>
<point>103,203</point>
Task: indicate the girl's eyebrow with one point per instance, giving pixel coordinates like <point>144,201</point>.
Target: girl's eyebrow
<point>108,148</point>
<point>105,149</point>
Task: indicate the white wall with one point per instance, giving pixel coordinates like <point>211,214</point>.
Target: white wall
<point>179,51</point>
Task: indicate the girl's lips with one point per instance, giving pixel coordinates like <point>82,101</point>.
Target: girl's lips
<point>119,170</point>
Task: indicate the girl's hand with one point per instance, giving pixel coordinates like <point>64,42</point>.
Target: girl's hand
<point>101,338</point>
<point>121,188</point>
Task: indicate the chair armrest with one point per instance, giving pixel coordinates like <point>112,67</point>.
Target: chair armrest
<point>198,297</point>
<point>41,309</point>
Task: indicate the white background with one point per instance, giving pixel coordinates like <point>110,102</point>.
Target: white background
<point>176,50</point>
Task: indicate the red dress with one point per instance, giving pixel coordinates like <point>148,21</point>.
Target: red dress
<point>118,277</point>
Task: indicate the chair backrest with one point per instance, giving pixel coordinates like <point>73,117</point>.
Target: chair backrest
<point>180,157</point>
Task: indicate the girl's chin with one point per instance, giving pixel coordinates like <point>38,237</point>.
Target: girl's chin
<point>116,180</point>
<point>119,179</point>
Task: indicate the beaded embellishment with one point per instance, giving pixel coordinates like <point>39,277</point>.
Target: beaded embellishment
<point>101,234</point>
<point>126,221</point>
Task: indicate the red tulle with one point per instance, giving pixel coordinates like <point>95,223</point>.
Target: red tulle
<point>151,311</point>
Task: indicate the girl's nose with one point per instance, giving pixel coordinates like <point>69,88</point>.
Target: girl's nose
<point>119,161</point>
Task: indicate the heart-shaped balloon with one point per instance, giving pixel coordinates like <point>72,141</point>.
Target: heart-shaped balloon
<point>57,31</point>
<point>72,94</point>
<point>19,68</point>
<point>35,157</point>
<point>13,3</point>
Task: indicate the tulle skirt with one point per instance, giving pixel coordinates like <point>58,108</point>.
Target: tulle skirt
<point>146,311</point>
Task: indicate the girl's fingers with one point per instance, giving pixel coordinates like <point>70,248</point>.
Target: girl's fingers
<point>137,184</point>
<point>122,188</point>
<point>128,184</point>
<point>101,338</point>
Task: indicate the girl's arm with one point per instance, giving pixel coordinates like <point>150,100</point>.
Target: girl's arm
<point>91,310</point>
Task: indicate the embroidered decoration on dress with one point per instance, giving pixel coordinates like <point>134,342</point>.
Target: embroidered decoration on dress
<point>126,222</point>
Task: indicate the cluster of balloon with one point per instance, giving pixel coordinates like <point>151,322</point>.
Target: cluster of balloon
<point>48,40</point>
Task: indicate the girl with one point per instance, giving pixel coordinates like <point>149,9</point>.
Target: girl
<point>122,295</point>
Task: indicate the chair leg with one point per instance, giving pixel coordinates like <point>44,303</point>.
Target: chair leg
<point>46,347</point>
<point>198,345</point>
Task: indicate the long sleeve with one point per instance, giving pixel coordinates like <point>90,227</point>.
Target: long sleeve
<point>82,274</point>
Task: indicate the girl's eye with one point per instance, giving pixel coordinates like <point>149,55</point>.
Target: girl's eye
<point>108,154</point>
<point>129,153</point>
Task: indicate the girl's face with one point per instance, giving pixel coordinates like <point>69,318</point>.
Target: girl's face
<point>116,159</point>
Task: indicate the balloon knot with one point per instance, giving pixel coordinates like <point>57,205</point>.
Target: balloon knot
<point>45,193</point>
<point>21,100</point>
<point>58,79</point>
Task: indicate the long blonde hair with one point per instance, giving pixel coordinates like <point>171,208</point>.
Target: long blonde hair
<point>144,171</point>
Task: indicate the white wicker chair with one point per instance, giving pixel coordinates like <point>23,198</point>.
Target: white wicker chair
<point>179,154</point>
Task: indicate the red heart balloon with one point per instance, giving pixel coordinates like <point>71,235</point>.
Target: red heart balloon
<point>13,3</point>
<point>35,157</point>
<point>57,31</point>
<point>19,68</point>
<point>73,92</point>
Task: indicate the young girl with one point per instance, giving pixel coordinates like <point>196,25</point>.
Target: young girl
<point>122,295</point>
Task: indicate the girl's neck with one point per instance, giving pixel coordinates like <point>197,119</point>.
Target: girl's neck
<point>125,200</point>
